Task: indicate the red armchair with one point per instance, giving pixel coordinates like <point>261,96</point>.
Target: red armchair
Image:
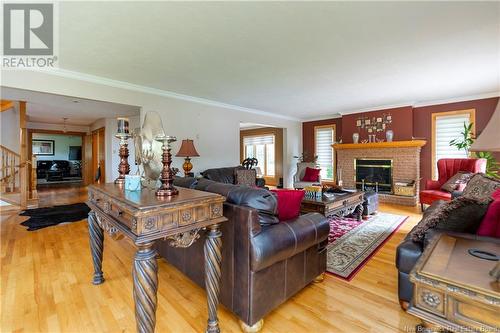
<point>448,167</point>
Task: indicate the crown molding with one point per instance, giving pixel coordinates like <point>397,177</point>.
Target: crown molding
<point>413,104</point>
<point>158,92</point>
<point>457,99</point>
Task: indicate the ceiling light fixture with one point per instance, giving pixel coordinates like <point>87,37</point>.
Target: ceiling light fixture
<point>64,125</point>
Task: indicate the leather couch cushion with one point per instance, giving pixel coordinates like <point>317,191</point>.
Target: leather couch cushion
<point>264,201</point>
<point>221,175</point>
<point>186,182</point>
<point>203,183</point>
<point>279,242</point>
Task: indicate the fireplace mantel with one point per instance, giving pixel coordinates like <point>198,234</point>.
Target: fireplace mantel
<point>393,144</point>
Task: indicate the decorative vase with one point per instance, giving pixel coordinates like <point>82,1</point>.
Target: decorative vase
<point>389,135</point>
<point>355,137</point>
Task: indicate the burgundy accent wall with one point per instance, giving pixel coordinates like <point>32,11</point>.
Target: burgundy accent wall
<point>422,126</point>
<point>308,133</point>
<point>402,124</point>
<point>407,122</point>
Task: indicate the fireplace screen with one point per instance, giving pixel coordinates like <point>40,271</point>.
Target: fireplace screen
<point>374,174</point>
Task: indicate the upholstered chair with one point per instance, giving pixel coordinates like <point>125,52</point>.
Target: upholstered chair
<point>298,183</point>
<point>448,167</point>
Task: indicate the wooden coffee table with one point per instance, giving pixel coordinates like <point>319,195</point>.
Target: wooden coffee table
<point>452,288</point>
<point>340,205</point>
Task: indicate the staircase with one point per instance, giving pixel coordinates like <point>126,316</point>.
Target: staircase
<point>11,184</point>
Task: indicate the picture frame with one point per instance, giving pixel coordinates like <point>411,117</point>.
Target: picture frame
<point>43,147</point>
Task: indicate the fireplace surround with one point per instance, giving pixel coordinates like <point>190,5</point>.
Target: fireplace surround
<point>405,157</point>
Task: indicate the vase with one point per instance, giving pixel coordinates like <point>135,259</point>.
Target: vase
<point>355,137</point>
<point>389,135</point>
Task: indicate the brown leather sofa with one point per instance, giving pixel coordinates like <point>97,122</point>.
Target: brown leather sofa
<point>264,261</point>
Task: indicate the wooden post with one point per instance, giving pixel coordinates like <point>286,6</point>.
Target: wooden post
<point>23,174</point>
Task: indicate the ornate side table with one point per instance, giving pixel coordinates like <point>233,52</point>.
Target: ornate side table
<point>452,288</point>
<point>144,218</point>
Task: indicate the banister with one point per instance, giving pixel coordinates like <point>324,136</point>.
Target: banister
<point>10,151</point>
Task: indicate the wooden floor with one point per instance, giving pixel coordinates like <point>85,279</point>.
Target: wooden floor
<point>46,274</point>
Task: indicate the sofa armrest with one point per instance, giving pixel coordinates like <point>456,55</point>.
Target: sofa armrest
<point>407,255</point>
<point>281,241</point>
<point>432,185</point>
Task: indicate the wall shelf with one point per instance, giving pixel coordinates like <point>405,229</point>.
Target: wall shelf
<point>393,144</point>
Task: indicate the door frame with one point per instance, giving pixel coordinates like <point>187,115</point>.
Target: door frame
<point>59,132</point>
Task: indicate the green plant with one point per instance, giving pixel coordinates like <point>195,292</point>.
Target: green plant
<point>465,142</point>
<point>492,166</point>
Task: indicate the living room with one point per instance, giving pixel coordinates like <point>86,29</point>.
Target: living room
<point>264,166</point>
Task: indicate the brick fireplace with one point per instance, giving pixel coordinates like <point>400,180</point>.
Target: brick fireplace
<point>405,165</point>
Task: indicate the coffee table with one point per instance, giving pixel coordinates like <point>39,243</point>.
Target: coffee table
<point>452,288</point>
<point>341,204</point>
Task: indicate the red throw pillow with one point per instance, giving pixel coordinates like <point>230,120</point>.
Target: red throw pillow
<point>490,225</point>
<point>311,175</point>
<point>289,203</point>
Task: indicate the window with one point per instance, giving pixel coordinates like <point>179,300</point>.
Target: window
<point>323,140</point>
<point>447,126</point>
<point>261,147</point>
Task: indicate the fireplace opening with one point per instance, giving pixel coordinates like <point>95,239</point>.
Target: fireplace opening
<point>374,174</point>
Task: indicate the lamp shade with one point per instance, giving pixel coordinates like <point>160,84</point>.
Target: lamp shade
<point>489,139</point>
<point>187,149</point>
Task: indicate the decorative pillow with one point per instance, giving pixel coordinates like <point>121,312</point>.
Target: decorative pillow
<point>490,226</point>
<point>246,177</point>
<point>289,203</point>
<point>311,175</point>
<point>460,178</point>
<point>463,214</point>
<point>481,187</point>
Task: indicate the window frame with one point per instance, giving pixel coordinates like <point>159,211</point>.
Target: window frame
<point>262,164</point>
<point>334,166</point>
<point>278,133</point>
<point>434,116</point>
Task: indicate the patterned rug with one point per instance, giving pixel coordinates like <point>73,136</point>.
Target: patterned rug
<point>353,243</point>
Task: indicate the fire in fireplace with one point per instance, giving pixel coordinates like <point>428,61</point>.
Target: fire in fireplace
<point>374,174</point>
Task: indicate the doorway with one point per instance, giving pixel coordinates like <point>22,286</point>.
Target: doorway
<point>98,156</point>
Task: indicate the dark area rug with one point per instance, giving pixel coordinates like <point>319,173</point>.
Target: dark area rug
<point>49,216</point>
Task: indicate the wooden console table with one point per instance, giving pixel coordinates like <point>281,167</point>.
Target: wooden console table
<point>145,218</point>
<point>453,289</point>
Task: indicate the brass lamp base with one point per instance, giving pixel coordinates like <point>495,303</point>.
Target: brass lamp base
<point>187,166</point>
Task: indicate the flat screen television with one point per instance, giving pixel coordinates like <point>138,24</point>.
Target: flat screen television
<point>75,153</point>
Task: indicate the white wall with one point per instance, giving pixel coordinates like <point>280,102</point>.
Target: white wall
<point>9,125</point>
<point>62,143</point>
<point>214,128</point>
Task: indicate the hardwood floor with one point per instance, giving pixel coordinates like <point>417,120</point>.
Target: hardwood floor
<point>46,287</point>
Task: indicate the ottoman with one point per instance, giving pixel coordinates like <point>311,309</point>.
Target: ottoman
<point>370,203</point>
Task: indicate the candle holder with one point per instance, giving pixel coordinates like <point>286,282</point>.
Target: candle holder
<point>167,175</point>
<point>123,167</point>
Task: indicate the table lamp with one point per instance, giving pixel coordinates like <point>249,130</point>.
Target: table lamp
<point>489,140</point>
<point>187,150</point>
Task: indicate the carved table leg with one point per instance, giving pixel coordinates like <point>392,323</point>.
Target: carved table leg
<point>213,259</point>
<point>96,247</point>
<point>359,211</point>
<point>145,275</point>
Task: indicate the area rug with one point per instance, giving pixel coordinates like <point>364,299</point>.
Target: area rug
<point>48,216</point>
<point>352,243</point>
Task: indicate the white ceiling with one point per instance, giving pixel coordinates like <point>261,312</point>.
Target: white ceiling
<point>49,108</point>
<point>300,59</point>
